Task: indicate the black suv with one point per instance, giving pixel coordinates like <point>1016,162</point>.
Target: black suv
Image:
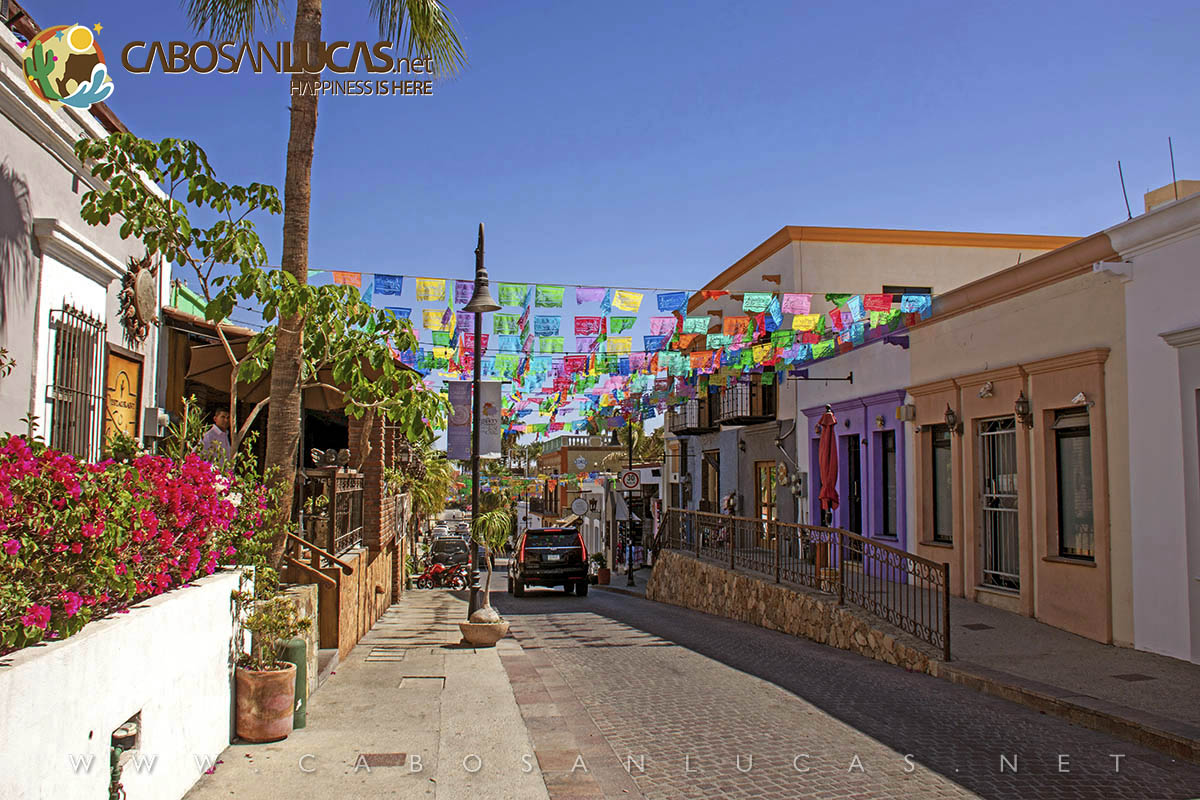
<point>449,550</point>
<point>549,557</point>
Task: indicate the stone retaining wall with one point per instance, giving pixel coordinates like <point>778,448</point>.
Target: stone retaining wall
<point>685,581</point>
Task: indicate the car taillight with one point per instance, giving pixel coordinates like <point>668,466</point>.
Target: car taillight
<point>582,547</point>
<point>521,557</point>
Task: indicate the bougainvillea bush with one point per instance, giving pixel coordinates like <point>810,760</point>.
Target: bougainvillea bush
<point>80,540</point>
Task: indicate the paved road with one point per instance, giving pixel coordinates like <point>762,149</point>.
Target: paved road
<point>686,695</point>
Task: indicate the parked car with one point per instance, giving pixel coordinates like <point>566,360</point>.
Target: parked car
<point>463,528</point>
<point>448,550</point>
<point>549,557</point>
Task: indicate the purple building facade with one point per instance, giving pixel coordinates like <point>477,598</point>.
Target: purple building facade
<point>872,478</point>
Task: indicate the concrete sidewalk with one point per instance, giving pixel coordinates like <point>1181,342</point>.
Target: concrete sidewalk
<point>1152,699</point>
<point>409,714</point>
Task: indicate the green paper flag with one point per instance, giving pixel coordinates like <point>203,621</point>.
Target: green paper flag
<point>838,300</point>
<point>549,297</point>
<point>620,324</point>
<point>695,325</point>
<point>756,302</point>
<point>512,294</point>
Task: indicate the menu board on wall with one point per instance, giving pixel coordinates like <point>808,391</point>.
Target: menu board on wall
<point>123,397</point>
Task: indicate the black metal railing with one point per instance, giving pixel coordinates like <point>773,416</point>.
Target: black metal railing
<point>332,509</point>
<point>903,589</point>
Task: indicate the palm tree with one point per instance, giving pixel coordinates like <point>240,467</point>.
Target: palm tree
<point>422,27</point>
<point>646,448</point>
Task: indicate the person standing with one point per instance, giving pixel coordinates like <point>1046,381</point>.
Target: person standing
<point>215,443</point>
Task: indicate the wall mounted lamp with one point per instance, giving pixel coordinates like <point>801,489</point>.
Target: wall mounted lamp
<point>880,421</point>
<point>1023,410</point>
<point>952,420</point>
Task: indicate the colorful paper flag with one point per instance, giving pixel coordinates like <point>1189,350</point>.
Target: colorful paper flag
<point>627,300</point>
<point>389,284</point>
<point>672,301</point>
<point>620,324</point>
<point>546,325</point>
<point>797,303</point>
<point>431,290</point>
<point>878,302</point>
<point>512,294</point>
<point>756,302</point>
<point>662,326</point>
<point>805,322</point>
<point>347,278</point>
<point>588,294</point>
<point>549,296</point>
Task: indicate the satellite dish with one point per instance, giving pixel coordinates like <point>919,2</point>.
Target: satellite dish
<point>145,296</point>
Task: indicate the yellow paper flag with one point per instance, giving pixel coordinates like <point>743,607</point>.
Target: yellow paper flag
<point>805,322</point>
<point>627,300</point>
<point>620,344</point>
<point>431,290</point>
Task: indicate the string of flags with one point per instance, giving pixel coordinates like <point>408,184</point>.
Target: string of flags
<point>586,371</point>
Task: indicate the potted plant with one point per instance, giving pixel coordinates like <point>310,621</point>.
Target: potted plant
<point>265,683</point>
<point>603,573</point>
<point>486,627</point>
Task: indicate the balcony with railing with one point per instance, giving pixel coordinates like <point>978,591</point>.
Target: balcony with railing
<point>692,417</point>
<point>748,402</point>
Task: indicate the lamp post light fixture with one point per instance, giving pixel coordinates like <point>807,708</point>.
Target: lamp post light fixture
<point>1023,410</point>
<point>481,302</point>
<point>952,420</point>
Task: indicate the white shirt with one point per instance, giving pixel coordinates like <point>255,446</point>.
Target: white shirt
<point>216,443</point>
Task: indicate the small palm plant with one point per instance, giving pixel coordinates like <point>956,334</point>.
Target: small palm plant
<point>492,529</point>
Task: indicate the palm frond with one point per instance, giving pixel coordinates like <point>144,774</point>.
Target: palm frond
<point>236,20</point>
<point>424,28</point>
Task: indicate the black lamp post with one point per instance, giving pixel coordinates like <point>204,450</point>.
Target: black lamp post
<point>481,301</point>
<point>628,504</point>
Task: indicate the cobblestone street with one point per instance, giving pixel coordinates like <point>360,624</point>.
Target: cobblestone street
<point>692,706</point>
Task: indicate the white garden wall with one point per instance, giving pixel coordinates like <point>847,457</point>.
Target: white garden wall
<point>168,658</point>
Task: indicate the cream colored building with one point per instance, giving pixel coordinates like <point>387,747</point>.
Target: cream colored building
<point>718,456</point>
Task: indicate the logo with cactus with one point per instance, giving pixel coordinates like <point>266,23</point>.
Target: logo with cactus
<point>64,64</point>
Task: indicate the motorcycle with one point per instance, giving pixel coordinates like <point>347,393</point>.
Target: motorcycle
<point>440,575</point>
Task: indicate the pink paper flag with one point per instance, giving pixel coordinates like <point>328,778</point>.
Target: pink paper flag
<point>662,326</point>
<point>797,303</point>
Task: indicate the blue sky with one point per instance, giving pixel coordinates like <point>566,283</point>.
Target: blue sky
<point>634,142</point>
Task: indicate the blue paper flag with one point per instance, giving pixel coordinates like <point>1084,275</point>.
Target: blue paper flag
<point>389,284</point>
<point>402,313</point>
<point>672,301</point>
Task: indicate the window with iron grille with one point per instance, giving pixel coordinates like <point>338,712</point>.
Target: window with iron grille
<point>76,390</point>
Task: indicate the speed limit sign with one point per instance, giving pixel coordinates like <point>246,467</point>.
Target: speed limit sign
<point>630,479</point>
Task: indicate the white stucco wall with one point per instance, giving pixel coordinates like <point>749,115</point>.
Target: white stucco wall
<point>47,252</point>
<point>1161,296</point>
<point>168,658</point>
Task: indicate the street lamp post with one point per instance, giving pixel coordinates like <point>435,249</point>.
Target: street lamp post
<point>629,509</point>
<point>481,301</point>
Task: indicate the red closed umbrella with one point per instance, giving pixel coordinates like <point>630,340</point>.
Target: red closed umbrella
<point>828,458</point>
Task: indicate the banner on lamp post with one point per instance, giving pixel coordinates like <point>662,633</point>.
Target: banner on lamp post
<point>458,431</point>
<point>490,427</point>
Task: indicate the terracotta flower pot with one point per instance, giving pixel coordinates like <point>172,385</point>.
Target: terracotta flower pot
<point>603,576</point>
<point>483,634</point>
<point>265,703</point>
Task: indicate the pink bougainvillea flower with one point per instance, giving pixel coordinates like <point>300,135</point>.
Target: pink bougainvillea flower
<point>36,617</point>
<point>11,547</point>
<point>72,602</point>
<point>76,548</point>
